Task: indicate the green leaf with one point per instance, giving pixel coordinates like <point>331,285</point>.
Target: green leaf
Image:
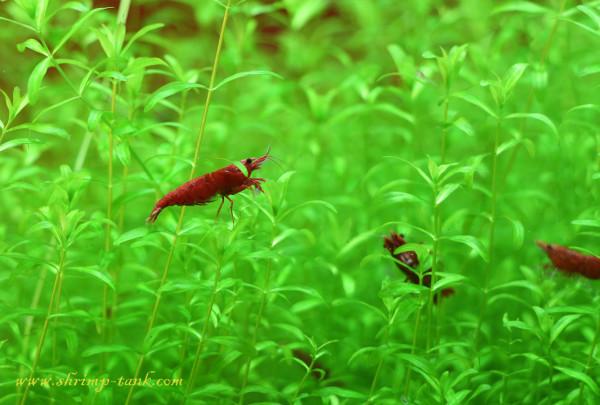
<point>400,289</point>
<point>94,118</point>
<point>507,146</point>
<point>141,33</point>
<point>539,80</point>
<point>345,301</point>
<point>29,27</point>
<point>107,348</point>
<point>445,192</point>
<point>40,13</point>
<point>105,38</point>
<point>560,326</point>
<point>32,44</point>
<point>518,284</point>
<point>244,74</point>
<point>578,375</point>
<point>111,74</point>
<point>325,204</point>
<point>124,153</point>
<point>75,27</point>
<point>523,7</point>
<point>47,129</point>
<point>399,196</point>
<point>235,343</point>
<point>464,126</point>
<point>35,80</point>
<point>394,110</point>
<point>593,14</point>
<point>299,288</point>
<point>518,233</point>
<point>97,272</point>
<point>539,117</point>
<point>587,222</point>
<point>168,90</point>
<point>446,280</point>
<point>472,242</point>
<point>469,98</point>
<point>139,64</point>
<point>302,12</point>
<point>512,77</point>
<point>340,392</point>
<point>19,141</point>
<point>133,234</point>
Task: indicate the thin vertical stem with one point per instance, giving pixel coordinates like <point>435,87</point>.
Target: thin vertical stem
<point>45,328</point>
<point>414,346</point>
<point>308,371</point>
<point>108,216</point>
<point>197,361</point>
<point>444,131</point>
<point>34,304</point>
<point>531,95</point>
<point>550,373</point>
<point>376,376</point>
<point>507,372</point>
<point>56,309</point>
<point>589,360</point>
<point>117,271</point>
<point>179,222</point>
<point>436,220</point>
<point>258,319</point>
<point>488,268</point>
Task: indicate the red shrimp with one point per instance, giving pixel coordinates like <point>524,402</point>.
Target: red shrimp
<point>411,260</point>
<point>570,261</point>
<point>201,190</point>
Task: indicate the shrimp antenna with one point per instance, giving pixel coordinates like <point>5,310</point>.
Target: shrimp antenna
<point>278,162</point>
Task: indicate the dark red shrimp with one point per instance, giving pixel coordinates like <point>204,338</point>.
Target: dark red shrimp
<point>201,190</point>
<point>570,261</point>
<point>411,260</point>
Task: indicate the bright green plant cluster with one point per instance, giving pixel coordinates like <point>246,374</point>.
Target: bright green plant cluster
<point>470,127</point>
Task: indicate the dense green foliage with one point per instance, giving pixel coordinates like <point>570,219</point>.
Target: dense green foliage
<point>470,126</point>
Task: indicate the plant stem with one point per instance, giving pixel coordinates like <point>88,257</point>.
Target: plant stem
<point>108,216</point>
<point>589,360</point>
<point>56,309</point>
<point>179,222</point>
<point>436,221</point>
<point>551,373</point>
<point>488,268</point>
<point>376,376</point>
<point>414,346</point>
<point>507,372</point>
<point>197,361</point>
<point>258,319</point>
<point>531,95</point>
<point>308,371</point>
<point>45,328</point>
<point>444,130</point>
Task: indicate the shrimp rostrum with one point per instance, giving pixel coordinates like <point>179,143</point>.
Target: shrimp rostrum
<point>223,182</point>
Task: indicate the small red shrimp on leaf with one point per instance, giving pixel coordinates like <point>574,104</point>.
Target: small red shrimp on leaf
<point>410,259</point>
<point>571,262</point>
<point>224,182</point>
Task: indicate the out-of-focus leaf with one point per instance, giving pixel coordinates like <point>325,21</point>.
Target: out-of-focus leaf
<point>19,141</point>
<point>35,80</point>
<point>168,90</point>
<point>244,74</point>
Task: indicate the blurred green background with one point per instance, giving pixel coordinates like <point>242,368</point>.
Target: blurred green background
<point>353,97</point>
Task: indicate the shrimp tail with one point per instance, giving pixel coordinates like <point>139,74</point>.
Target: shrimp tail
<point>153,215</point>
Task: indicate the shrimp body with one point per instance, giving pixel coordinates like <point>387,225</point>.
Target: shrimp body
<point>410,259</point>
<point>570,261</point>
<point>201,190</point>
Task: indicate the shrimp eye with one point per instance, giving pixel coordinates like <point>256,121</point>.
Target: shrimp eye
<point>248,161</point>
